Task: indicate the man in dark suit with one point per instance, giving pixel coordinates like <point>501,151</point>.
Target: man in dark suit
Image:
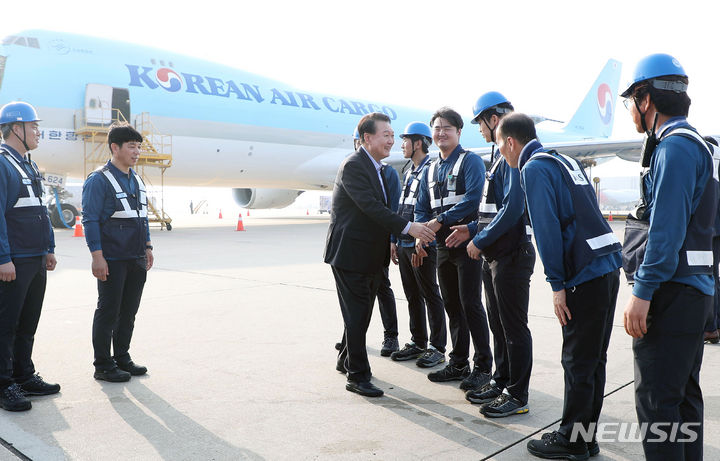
<point>358,243</point>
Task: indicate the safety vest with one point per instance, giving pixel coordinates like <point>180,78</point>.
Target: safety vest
<point>716,168</point>
<point>124,234</point>
<point>695,256</point>
<point>28,225</point>
<point>446,193</point>
<point>408,197</point>
<point>593,236</point>
<point>488,210</point>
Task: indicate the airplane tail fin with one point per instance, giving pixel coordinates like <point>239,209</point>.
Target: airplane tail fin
<point>596,114</point>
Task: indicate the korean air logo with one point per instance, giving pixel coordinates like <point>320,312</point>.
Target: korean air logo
<point>605,103</point>
<point>169,79</point>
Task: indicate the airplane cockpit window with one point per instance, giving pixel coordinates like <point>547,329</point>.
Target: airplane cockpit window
<point>31,42</point>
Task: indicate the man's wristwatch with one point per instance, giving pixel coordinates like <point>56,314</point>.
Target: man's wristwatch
<point>148,247</point>
<point>440,218</point>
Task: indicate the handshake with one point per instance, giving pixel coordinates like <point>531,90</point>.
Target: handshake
<point>459,235</point>
<point>422,232</point>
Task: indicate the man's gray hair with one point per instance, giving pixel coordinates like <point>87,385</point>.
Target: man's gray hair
<point>5,129</point>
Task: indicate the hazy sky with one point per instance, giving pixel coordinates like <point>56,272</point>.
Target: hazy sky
<point>542,55</point>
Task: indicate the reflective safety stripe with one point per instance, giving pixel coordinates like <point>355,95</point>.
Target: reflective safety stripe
<point>31,199</point>
<point>699,139</point>
<point>605,240</point>
<point>574,169</point>
<point>699,258</point>
<point>487,208</point>
<point>411,198</point>
<point>528,230</point>
<point>128,212</point>
<point>23,202</point>
<point>446,201</point>
<point>458,164</point>
<point>409,195</point>
<point>452,198</point>
<point>141,195</point>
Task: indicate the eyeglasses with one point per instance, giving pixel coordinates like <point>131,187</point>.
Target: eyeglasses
<point>629,102</point>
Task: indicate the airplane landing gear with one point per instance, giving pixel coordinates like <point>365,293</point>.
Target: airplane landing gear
<point>66,219</point>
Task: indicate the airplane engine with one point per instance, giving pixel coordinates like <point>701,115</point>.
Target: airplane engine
<point>265,198</point>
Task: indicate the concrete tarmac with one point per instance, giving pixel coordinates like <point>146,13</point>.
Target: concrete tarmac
<point>237,330</point>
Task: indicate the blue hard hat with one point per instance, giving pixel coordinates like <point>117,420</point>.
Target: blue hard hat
<point>417,128</point>
<point>487,101</point>
<point>356,134</point>
<point>17,111</point>
<point>657,65</point>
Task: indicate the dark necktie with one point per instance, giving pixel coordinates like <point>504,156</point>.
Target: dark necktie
<point>384,184</point>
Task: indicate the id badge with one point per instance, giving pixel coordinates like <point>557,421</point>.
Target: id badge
<point>452,179</point>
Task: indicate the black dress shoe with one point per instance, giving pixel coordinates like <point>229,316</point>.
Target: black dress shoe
<point>367,389</point>
<point>114,375</point>
<point>130,367</point>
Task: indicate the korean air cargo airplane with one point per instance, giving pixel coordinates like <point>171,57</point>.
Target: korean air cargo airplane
<point>227,127</point>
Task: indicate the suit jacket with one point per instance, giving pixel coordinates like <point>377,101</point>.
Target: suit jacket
<point>361,222</point>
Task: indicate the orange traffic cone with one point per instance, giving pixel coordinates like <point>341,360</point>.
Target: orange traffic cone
<point>78,228</point>
<point>307,212</point>
<point>220,215</point>
<point>248,212</point>
<point>240,226</point>
<point>610,216</point>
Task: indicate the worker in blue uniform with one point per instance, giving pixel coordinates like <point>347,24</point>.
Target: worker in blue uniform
<point>450,191</point>
<point>419,283</point>
<point>385,295</point>
<point>668,254</point>
<point>114,202</point>
<point>27,246</point>
<point>500,236</point>
<point>581,258</point>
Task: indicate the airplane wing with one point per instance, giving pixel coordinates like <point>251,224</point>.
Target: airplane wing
<point>629,150</point>
<point>587,150</point>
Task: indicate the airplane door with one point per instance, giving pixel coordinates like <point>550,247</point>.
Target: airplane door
<point>121,102</point>
<point>98,104</point>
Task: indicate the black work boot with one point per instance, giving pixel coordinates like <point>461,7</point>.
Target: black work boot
<point>13,399</point>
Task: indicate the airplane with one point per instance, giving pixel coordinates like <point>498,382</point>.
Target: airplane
<point>263,138</point>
